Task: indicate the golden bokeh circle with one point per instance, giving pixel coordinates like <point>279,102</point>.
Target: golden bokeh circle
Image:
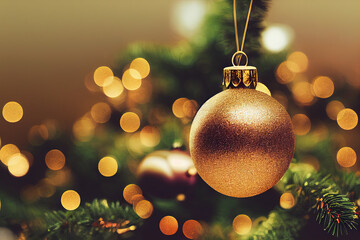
<point>168,225</point>
<point>192,229</point>
<point>100,112</point>
<point>136,198</point>
<point>130,122</point>
<point>347,119</point>
<point>287,200</point>
<point>7,151</point>
<point>12,112</point>
<point>130,191</point>
<point>283,74</point>
<point>142,66</point>
<point>102,75</point>
<point>18,165</point>
<point>114,89</point>
<point>323,87</point>
<point>301,123</point>
<point>346,157</point>
<point>333,108</point>
<point>302,92</point>
<point>242,224</point>
<point>144,209</point>
<point>178,107</point>
<point>131,79</point>
<point>300,62</point>
<point>70,200</point>
<point>55,159</point>
<point>150,136</point>
<point>108,166</point>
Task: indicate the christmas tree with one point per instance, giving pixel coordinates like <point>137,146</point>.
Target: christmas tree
<point>125,171</point>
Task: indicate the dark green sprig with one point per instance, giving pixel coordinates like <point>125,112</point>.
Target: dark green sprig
<point>96,220</point>
<point>336,213</point>
<point>321,195</point>
<point>280,225</point>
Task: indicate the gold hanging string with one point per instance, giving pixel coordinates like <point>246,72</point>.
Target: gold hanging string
<point>240,50</point>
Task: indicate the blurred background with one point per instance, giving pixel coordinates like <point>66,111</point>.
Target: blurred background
<point>97,96</point>
<point>48,48</point>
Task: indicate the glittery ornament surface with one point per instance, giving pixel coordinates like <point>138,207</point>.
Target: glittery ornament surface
<point>241,142</point>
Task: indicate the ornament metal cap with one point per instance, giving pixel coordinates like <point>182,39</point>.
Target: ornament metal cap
<point>240,76</point>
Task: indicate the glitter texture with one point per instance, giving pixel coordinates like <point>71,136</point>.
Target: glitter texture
<point>242,142</point>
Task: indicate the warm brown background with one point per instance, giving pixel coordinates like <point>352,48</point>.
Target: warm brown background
<point>47,47</point>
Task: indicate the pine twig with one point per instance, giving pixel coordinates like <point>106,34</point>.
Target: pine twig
<point>321,195</point>
<point>280,225</point>
<point>96,220</point>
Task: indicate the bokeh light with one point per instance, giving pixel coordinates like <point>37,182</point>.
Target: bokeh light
<point>346,157</point>
<point>55,159</point>
<point>302,92</point>
<point>131,79</point>
<point>103,76</point>
<point>168,225</point>
<point>347,119</point>
<point>190,108</point>
<point>242,224</point>
<point>130,122</point>
<point>108,166</point>
<point>276,38</point>
<point>262,88</point>
<point>70,200</point>
<point>114,89</point>
<point>7,234</point>
<point>132,143</point>
<point>187,16</point>
<point>100,112</point>
<point>130,191</point>
<point>12,112</point>
<point>142,66</point>
<point>18,165</point>
<point>178,107</point>
<point>83,129</point>
<point>333,108</point>
<point>301,123</point>
<point>144,209</point>
<point>283,73</point>
<point>192,229</point>
<point>297,62</point>
<point>323,87</point>
<point>287,200</point>
<point>136,198</point>
<point>7,151</point>
<point>181,197</point>
<point>150,136</point>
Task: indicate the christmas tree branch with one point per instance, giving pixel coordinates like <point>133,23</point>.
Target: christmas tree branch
<point>280,224</point>
<point>96,220</point>
<point>321,195</point>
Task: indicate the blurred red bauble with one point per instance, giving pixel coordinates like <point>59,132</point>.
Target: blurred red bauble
<point>165,174</point>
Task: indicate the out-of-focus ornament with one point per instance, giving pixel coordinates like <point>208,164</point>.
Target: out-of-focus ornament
<point>166,174</point>
<point>241,140</point>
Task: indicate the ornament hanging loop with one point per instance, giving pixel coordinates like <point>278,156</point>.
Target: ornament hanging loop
<point>238,55</point>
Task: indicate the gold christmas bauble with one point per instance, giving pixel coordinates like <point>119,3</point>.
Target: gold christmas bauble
<point>241,142</point>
